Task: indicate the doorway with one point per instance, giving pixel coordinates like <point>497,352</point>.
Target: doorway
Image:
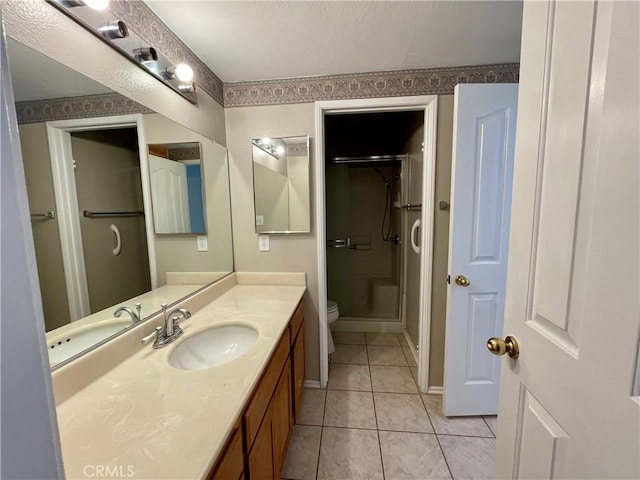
<point>109,192</point>
<point>99,196</point>
<point>373,167</point>
<point>394,319</point>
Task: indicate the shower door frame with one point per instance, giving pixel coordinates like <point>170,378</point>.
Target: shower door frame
<point>64,183</point>
<point>429,105</point>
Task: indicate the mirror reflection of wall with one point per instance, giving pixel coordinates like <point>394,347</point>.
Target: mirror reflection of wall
<point>281,184</point>
<point>87,175</point>
<point>177,193</point>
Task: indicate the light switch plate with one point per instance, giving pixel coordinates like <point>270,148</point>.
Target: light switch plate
<point>259,220</point>
<point>263,243</point>
<point>203,243</point>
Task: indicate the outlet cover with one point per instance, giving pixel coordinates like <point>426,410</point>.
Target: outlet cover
<point>263,243</point>
<point>259,220</point>
<point>203,243</point>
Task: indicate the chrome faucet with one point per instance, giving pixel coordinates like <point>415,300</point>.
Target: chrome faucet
<point>135,317</point>
<point>164,335</point>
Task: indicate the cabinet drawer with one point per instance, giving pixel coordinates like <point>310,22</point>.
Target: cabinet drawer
<point>262,395</point>
<point>296,321</point>
<point>230,465</point>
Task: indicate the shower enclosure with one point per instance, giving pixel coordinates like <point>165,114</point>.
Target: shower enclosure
<point>364,253</point>
<point>373,187</point>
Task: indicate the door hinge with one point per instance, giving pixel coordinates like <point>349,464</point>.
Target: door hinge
<point>449,279</point>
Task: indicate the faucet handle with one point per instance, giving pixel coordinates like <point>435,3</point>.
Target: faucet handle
<point>139,310</point>
<point>157,333</point>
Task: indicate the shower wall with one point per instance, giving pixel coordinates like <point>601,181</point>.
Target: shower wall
<point>364,279</point>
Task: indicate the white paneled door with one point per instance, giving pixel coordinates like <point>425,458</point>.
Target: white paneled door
<point>169,195</point>
<point>568,408</point>
<point>482,173</point>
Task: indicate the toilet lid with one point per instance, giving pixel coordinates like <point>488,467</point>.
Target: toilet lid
<point>331,306</point>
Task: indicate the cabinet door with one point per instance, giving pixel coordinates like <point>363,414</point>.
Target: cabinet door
<point>298,370</point>
<point>231,464</point>
<point>282,407</point>
<point>261,455</point>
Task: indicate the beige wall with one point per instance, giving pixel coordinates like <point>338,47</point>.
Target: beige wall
<point>178,253</point>
<point>299,206</point>
<point>272,198</point>
<point>289,253</point>
<point>43,28</point>
<point>46,235</point>
<point>298,253</point>
<point>441,240</point>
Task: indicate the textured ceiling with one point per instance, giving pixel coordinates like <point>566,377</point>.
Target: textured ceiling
<point>244,41</point>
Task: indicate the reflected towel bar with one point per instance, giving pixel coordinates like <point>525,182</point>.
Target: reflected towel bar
<point>412,206</point>
<point>114,213</point>
<point>50,215</point>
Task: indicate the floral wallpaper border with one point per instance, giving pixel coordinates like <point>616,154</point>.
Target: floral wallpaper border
<point>365,85</point>
<point>140,18</point>
<point>87,106</point>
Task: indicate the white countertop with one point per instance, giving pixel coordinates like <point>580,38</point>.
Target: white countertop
<point>145,419</point>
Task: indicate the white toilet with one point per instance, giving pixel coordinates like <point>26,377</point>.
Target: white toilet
<point>332,316</point>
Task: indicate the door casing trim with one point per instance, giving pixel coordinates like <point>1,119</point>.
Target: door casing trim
<point>64,184</point>
<point>428,104</point>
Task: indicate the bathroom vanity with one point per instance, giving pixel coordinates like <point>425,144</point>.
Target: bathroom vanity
<point>143,415</point>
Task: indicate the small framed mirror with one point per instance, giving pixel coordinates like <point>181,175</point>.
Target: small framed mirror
<point>177,191</point>
<point>281,184</point>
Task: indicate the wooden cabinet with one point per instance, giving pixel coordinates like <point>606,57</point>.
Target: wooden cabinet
<point>298,371</point>
<point>259,443</point>
<point>282,405</point>
<point>230,465</point>
<point>261,461</point>
<point>261,397</point>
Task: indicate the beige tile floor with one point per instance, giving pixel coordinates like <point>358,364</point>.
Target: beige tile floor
<point>373,423</point>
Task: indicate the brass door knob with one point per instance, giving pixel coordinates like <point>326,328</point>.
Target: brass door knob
<point>462,281</point>
<point>509,345</point>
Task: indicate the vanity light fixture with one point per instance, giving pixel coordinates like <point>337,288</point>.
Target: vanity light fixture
<point>94,4</point>
<point>114,29</point>
<point>266,146</point>
<point>182,72</point>
<point>97,4</point>
<point>187,87</point>
<point>145,54</point>
<point>98,19</point>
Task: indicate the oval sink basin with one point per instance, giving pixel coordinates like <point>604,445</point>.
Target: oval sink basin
<point>212,347</point>
<point>66,346</point>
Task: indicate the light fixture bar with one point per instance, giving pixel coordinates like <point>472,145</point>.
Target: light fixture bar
<point>95,17</point>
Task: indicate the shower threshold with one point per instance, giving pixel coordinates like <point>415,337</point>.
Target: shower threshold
<point>372,325</point>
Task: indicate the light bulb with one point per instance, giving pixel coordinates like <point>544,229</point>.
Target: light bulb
<point>265,141</point>
<point>97,4</point>
<point>280,150</point>
<point>184,72</point>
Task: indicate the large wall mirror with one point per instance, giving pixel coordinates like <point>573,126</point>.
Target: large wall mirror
<point>281,184</point>
<point>102,266</point>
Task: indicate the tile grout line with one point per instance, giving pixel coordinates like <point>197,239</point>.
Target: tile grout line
<point>395,431</point>
<point>324,409</point>
<point>437,439</point>
<point>488,426</point>
<point>375,414</point>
